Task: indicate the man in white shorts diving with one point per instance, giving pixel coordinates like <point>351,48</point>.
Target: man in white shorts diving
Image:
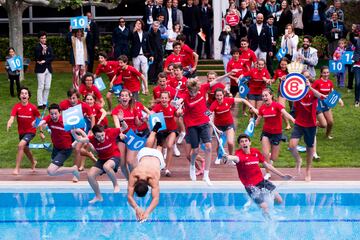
<point>145,174</point>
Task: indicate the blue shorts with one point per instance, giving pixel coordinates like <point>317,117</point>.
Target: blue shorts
<point>254,97</point>
<point>225,128</point>
<point>197,133</point>
<point>274,139</point>
<point>27,137</point>
<point>59,156</point>
<point>308,133</point>
<point>100,164</point>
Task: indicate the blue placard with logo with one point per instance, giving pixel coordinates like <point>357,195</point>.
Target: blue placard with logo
<point>250,128</point>
<point>73,118</point>
<point>332,99</point>
<point>133,141</point>
<point>244,80</point>
<point>157,117</point>
<point>99,83</point>
<point>336,66</point>
<point>116,89</point>
<point>347,57</point>
<point>79,22</point>
<point>281,53</point>
<point>243,89</point>
<point>15,63</point>
<point>222,139</point>
<point>321,107</point>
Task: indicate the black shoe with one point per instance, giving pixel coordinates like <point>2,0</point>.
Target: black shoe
<point>40,107</point>
<point>156,127</point>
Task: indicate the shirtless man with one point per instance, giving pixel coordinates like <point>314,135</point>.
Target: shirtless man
<point>145,174</point>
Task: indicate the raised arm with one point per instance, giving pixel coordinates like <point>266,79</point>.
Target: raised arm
<point>247,103</point>
<point>287,115</point>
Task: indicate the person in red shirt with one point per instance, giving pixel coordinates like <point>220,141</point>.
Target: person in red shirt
<point>62,143</point>
<point>211,76</point>
<point>87,86</point>
<point>223,118</point>
<point>166,138</point>
<point>197,123</point>
<point>241,67</point>
<point>25,113</point>
<point>247,161</point>
<point>247,54</point>
<point>103,143</point>
<point>259,78</point>
<point>142,129</point>
<point>130,77</point>
<point>280,74</point>
<point>271,135</point>
<point>305,125</point>
<point>190,57</point>
<point>126,112</point>
<point>162,87</point>
<point>97,110</point>
<point>170,74</point>
<point>175,57</point>
<point>110,69</point>
<point>325,86</point>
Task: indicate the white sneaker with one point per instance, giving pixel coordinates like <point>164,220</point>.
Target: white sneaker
<point>176,151</point>
<point>357,104</point>
<point>217,161</point>
<point>206,178</point>
<point>315,156</point>
<point>167,173</point>
<point>267,176</point>
<point>192,173</point>
<point>181,137</point>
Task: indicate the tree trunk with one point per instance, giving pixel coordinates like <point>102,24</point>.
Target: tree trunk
<point>15,11</point>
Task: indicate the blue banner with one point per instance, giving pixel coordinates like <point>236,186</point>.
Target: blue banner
<point>133,141</point>
<point>347,57</point>
<point>243,89</point>
<point>73,118</point>
<point>15,63</point>
<point>250,128</point>
<point>157,117</point>
<point>332,99</point>
<point>336,66</point>
<point>222,139</point>
<point>281,53</point>
<point>99,83</point>
<point>79,22</point>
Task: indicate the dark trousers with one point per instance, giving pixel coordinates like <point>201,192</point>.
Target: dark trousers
<point>317,28</point>
<point>190,37</point>
<point>357,84</point>
<point>16,79</point>
<point>207,49</point>
<point>154,69</point>
<point>350,77</point>
<point>91,56</point>
<point>270,61</point>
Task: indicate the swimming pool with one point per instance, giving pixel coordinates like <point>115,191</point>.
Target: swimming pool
<point>183,213</point>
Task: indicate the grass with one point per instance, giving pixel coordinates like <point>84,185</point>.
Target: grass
<point>342,151</point>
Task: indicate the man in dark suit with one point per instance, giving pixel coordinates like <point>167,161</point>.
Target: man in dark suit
<point>139,41</point>
<point>170,15</point>
<point>120,39</point>
<point>148,18</point>
<point>314,18</point>
<point>158,8</point>
<point>43,58</point>
<point>206,18</point>
<point>92,42</point>
<point>191,23</point>
<point>156,52</point>
<point>259,38</point>
<point>274,34</point>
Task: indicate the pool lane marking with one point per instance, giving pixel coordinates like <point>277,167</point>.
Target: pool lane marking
<point>177,221</point>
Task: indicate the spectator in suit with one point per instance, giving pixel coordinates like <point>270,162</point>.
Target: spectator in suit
<point>228,39</point>
<point>179,14</point>
<point>283,17</point>
<point>245,15</point>
<point>148,17</point>
<point>206,19</point>
<point>272,7</point>
<point>43,57</point>
<point>335,8</point>
<point>120,39</point>
<point>92,42</point>
<point>334,30</point>
<point>259,38</point>
<point>139,41</point>
<point>191,23</point>
<point>170,15</point>
<point>274,34</point>
<point>158,9</point>
<point>156,52</point>
<point>314,17</point>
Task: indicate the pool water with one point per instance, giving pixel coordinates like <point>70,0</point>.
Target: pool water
<point>179,216</point>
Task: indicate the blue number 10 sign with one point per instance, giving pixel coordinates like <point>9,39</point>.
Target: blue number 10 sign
<point>15,63</point>
<point>336,66</point>
<point>78,22</point>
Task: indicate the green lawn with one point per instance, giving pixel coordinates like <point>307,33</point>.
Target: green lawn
<point>342,151</point>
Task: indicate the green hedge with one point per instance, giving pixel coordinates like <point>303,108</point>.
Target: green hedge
<point>58,43</point>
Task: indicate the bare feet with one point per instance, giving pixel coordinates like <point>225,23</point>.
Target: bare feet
<point>116,188</point>
<point>298,166</point>
<point>76,173</point>
<point>16,172</point>
<point>308,176</point>
<point>75,179</point>
<point>33,165</point>
<point>96,199</point>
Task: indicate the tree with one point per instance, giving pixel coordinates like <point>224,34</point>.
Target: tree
<point>16,8</point>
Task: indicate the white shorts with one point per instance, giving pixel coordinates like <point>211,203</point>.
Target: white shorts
<point>151,152</point>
